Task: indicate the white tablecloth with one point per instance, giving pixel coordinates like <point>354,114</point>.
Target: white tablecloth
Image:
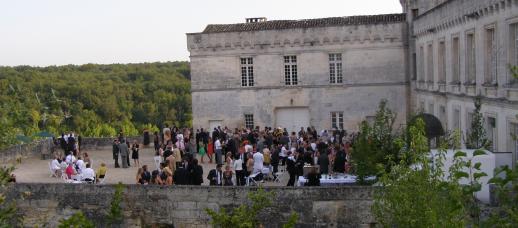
<point>341,180</point>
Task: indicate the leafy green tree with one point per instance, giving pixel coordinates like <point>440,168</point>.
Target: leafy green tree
<point>7,210</point>
<point>416,192</point>
<point>376,144</point>
<point>506,189</point>
<point>476,138</point>
<point>77,220</point>
<point>246,216</point>
<point>115,215</point>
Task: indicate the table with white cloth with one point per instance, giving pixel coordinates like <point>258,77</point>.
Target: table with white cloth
<point>333,180</point>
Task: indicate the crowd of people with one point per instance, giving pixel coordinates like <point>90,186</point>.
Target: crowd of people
<point>71,164</point>
<point>238,155</point>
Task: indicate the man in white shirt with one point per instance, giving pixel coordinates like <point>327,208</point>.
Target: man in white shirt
<point>240,174</point>
<point>80,164</point>
<point>55,166</point>
<point>258,162</point>
<point>88,173</point>
<point>217,148</point>
<point>70,159</point>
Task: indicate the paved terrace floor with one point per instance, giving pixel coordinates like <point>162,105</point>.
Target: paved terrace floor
<point>35,170</point>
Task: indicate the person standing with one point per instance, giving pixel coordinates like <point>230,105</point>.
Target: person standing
<point>215,176</point>
<point>115,150</point>
<point>134,153</point>
<point>290,166</point>
<point>123,150</point>
<point>240,173</point>
<point>217,147</point>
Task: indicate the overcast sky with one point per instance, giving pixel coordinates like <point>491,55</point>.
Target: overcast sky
<point>58,32</point>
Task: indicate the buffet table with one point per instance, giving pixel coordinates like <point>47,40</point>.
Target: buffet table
<point>333,180</point>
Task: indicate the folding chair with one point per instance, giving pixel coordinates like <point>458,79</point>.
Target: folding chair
<point>250,179</point>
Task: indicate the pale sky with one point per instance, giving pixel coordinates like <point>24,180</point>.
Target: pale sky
<point>59,32</point>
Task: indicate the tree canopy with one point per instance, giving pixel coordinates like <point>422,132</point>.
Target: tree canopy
<point>93,100</point>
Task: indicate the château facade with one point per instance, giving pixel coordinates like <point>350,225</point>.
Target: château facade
<point>435,57</point>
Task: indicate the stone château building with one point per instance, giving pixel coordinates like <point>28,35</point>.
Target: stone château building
<point>332,72</point>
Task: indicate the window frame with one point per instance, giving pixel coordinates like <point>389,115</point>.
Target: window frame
<point>337,120</point>
<point>247,71</point>
<point>335,68</point>
<point>249,120</point>
<point>290,70</point>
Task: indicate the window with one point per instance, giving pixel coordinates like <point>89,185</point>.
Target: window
<point>511,142</point>
<point>290,70</point>
<point>491,132</point>
<point>431,108</point>
<point>335,68</point>
<point>456,120</point>
<point>249,121</point>
<point>470,58</point>
<point>247,72</point>
<point>429,64</point>
<point>442,116</point>
<point>513,49</point>
<point>490,60</point>
<point>441,62</point>
<point>337,120</point>
<point>421,76</point>
<point>455,60</point>
<point>421,106</point>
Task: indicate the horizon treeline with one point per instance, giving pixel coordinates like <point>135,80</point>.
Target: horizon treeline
<point>92,100</point>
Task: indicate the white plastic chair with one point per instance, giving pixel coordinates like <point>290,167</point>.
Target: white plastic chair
<point>52,173</point>
<point>157,160</point>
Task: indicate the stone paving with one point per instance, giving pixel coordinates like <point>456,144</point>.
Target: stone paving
<point>35,170</point>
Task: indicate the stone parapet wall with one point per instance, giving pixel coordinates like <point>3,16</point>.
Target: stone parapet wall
<point>16,153</point>
<point>184,206</point>
<point>96,143</point>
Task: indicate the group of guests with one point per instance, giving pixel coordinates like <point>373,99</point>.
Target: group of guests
<point>240,153</point>
<point>75,166</point>
<point>122,148</point>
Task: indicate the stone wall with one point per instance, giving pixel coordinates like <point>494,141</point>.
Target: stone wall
<point>96,143</point>
<point>184,206</point>
<point>17,152</point>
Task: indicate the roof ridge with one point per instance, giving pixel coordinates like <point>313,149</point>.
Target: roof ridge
<point>306,23</point>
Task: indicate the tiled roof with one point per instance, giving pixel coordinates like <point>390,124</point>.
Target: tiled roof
<point>306,23</point>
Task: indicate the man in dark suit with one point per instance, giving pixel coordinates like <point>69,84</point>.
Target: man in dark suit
<point>115,151</point>
<point>215,176</point>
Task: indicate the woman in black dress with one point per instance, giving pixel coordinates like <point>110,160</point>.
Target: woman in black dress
<point>134,153</point>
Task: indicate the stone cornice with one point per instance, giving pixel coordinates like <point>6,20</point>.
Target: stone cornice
<point>380,33</point>
<point>467,16</point>
<point>280,87</point>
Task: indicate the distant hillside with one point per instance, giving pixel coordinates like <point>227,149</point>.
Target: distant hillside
<point>93,99</point>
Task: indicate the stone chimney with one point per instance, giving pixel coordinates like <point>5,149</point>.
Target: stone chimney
<point>256,19</point>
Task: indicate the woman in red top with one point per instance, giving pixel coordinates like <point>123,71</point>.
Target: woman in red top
<point>210,149</point>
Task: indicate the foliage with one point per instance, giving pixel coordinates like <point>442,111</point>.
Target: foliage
<point>375,144</point>
<point>115,215</point>
<point>506,188</point>
<point>77,220</point>
<point>246,216</point>
<point>92,100</point>
<point>416,193</point>
<point>476,138</point>
<point>7,210</point>
<point>292,221</point>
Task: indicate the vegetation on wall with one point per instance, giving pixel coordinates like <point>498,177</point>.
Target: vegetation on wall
<point>93,100</point>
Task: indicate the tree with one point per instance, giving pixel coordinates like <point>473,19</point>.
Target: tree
<point>77,220</point>
<point>7,210</point>
<point>247,216</point>
<point>476,138</point>
<point>416,192</point>
<point>376,144</point>
<point>115,215</point>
